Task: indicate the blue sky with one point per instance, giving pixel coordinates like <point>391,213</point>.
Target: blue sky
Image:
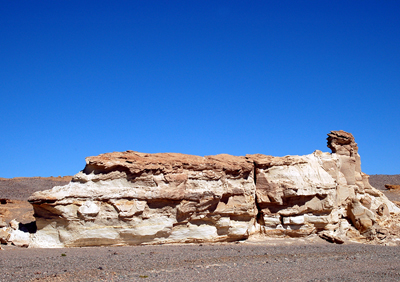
<point>81,78</point>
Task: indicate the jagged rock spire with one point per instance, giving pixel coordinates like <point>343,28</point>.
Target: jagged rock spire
<point>342,143</point>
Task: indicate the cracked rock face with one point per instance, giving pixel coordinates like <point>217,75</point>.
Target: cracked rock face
<point>135,198</point>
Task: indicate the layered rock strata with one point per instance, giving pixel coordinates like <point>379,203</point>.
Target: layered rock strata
<point>136,198</point>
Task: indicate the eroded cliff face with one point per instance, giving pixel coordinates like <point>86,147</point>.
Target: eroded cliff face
<point>136,198</point>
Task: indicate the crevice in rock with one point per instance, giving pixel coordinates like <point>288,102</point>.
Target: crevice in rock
<point>225,198</point>
<point>259,215</point>
<point>255,173</point>
<point>159,204</point>
<point>28,227</point>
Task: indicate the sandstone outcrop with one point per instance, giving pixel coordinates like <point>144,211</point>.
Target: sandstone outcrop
<point>16,233</point>
<point>2,222</point>
<point>392,187</point>
<point>135,198</point>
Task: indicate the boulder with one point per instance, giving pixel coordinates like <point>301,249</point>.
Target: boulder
<point>127,198</point>
<point>331,237</point>
<point>363,219</point>
<point>19,238</point>
<point>4,235</point>
<point>3,223</point>
<point>392,187</point>
<point>15,235</point>
<point>14,224</point>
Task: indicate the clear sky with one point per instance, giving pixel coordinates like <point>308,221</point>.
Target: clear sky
<point>81,78</point>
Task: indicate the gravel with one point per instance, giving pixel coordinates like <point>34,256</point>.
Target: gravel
<point>267,261</point>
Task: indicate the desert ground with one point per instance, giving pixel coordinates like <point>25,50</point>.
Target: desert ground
<point>272,260</point>
<point>311,259</point>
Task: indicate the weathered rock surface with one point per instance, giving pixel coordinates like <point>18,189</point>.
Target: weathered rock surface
<point>4,235</point>
<point>16,233</point>
<point>2,222</point>
<point>136,198</point>
<point>133,198</point>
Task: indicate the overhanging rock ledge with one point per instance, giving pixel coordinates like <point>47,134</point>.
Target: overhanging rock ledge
<point>127,198</point>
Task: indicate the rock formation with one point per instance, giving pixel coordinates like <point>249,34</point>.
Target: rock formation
<point>135,198</point>
<point>392,187</point>
<point>16,234</point>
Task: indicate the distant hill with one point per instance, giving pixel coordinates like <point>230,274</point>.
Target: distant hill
<point>379,180</point>
<point>20,188</point>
